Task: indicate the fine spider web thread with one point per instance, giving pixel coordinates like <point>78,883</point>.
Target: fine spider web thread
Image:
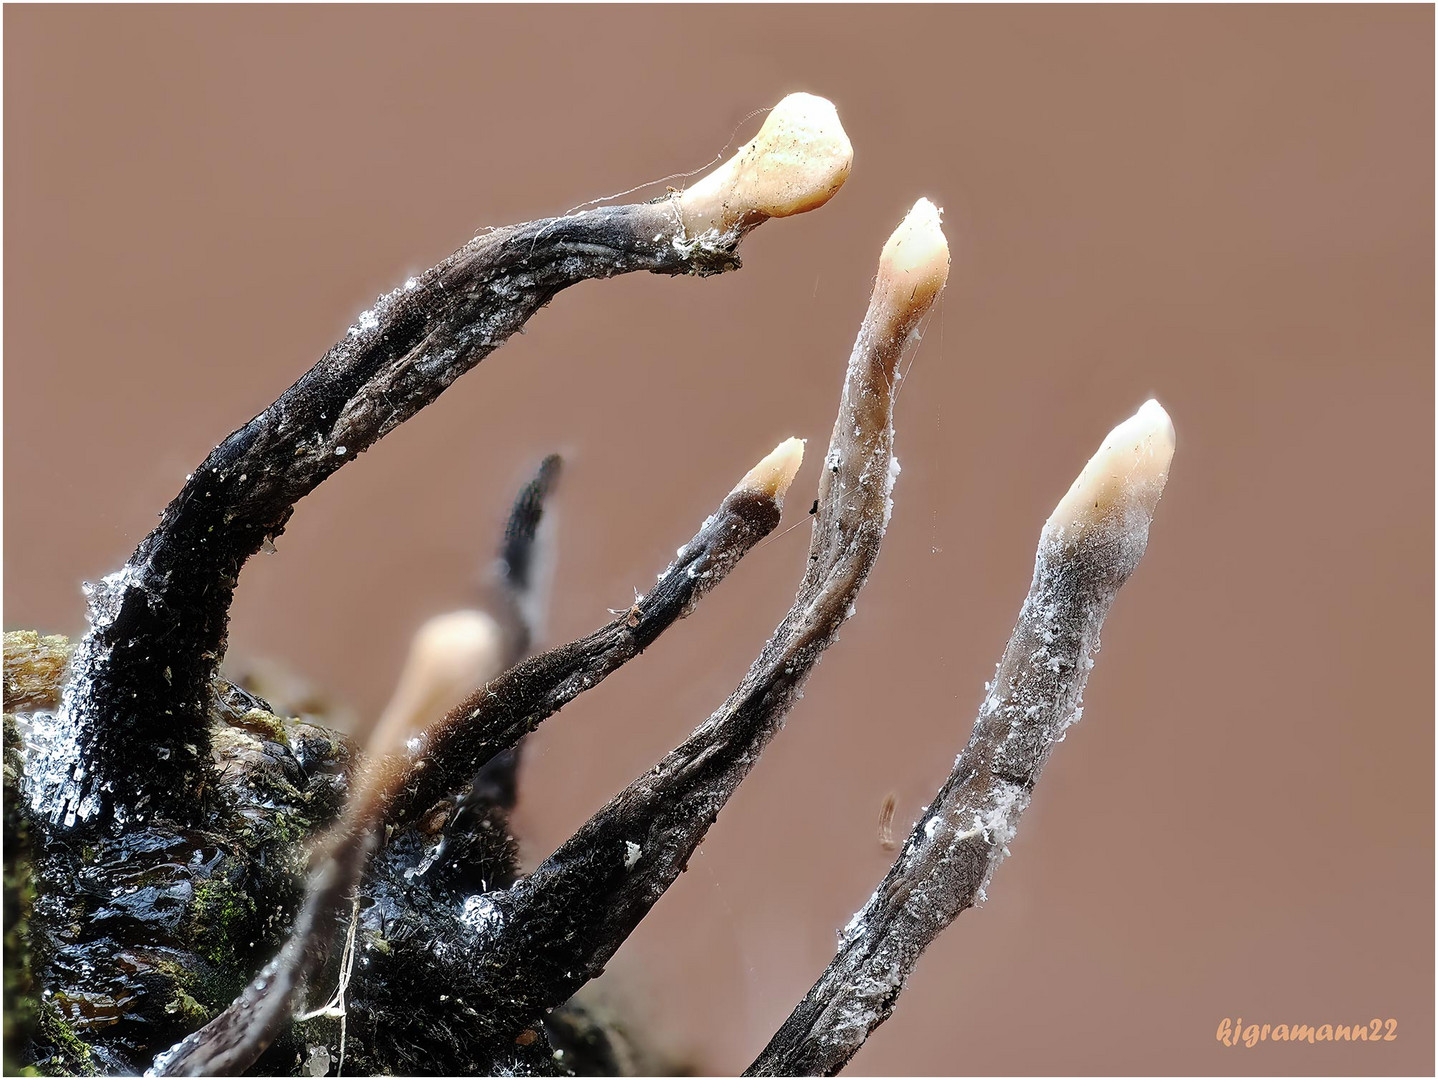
<point>715,160</point>
<point>923,330</point>
<point>650,183</point>
<point>762,544</point>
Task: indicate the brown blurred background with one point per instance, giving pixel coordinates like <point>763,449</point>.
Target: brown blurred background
<point>1229,208</point>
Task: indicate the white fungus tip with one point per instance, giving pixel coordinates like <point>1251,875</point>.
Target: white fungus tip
<point>1128,472</point>
<point>797,161</point>
<point>776,472</point>
<point>914,265</point>
<point>450,655</point>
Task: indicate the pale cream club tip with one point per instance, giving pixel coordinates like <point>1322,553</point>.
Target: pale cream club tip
<point>775,473</point>
<point>450,656</point>
<point>1128,472</point>
<point>914,265</point>
<point>800,157</point>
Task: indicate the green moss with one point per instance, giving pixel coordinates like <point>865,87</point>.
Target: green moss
<point>263,723</point>
<point>222,915</point>
<point>68,1054</point>
<point>199,993</point>
<point>189,1010</point>
<point>290,827</point>
<point>14,759</point>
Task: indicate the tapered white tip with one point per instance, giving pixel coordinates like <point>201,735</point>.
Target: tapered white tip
<point>773,475</point>
<point>450,656</point>
<point>799,159</point>
<point>1127,474</point>
<point>914,265</point>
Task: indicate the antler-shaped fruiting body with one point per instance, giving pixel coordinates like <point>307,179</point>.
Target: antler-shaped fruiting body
<point>132,734</point>
<point>1088,548</point>
<point>419,869</point>
<point>408,777</point>
<point>555,930</point>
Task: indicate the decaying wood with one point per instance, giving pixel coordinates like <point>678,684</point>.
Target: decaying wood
<point>1088,549</point>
